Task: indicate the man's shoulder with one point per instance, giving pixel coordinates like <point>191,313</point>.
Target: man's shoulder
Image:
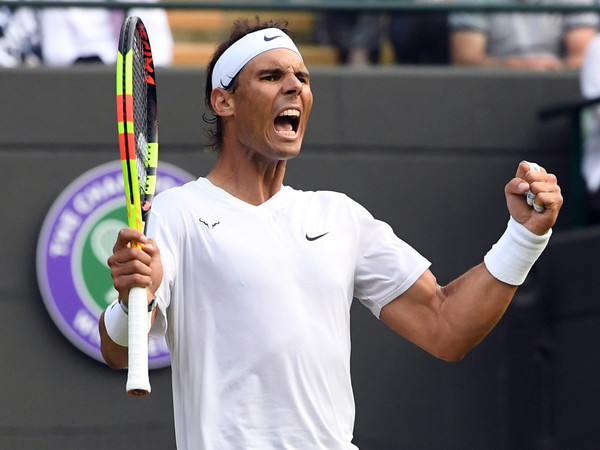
<point>175,192</point>
<point>329,201</point>
<point>322,195</point>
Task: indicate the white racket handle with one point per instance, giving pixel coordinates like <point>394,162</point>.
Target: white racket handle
<point>138,382</point>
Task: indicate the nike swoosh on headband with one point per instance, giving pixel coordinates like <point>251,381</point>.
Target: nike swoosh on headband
<point>243,50</point>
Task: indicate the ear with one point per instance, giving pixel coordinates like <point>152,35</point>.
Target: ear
<point>221,102</point>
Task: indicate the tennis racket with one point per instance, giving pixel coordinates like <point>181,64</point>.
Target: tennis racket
<point>138,145</point>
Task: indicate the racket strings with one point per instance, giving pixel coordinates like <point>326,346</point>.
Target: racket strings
<point>141,113</point>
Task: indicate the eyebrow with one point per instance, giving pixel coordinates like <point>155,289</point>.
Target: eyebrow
<point>279,71</point>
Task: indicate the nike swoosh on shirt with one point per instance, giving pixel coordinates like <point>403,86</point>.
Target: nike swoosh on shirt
<point>270,38</point>
<point>314,238</point>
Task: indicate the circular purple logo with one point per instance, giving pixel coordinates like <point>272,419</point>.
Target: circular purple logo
<point>75,242</point>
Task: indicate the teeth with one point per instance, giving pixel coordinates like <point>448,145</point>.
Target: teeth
<point>290,113</point>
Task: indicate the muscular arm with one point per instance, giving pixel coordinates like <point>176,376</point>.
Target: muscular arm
<point>449,321</point>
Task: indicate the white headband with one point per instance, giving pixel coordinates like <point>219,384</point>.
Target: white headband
<point>253,44</point>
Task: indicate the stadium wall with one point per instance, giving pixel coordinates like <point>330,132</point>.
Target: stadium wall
<point>426,149</point>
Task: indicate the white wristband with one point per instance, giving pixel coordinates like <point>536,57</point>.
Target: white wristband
<point>511,258</point>
<point>116,322</point>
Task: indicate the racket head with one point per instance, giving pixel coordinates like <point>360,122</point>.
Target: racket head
<point>137,118</point>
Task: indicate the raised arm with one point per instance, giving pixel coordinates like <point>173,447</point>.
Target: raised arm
<point>449,321</point>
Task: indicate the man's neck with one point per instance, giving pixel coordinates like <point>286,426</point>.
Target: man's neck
<point>251,183</point>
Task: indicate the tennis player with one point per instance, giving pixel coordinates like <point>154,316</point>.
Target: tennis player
<point>253,281</point>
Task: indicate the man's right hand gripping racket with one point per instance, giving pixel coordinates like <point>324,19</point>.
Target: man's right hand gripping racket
<point>138,145</point>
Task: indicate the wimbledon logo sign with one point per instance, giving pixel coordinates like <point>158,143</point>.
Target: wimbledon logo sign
<point>75,242</point>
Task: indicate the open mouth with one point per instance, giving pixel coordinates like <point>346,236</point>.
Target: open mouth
<point>287,122</point>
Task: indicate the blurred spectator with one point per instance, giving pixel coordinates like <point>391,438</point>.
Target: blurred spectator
<point>5,14</point>
<point>357,36</point>
<point>544,41</point>
<point>65,36</point>
<point>590,163</point>
<point>420,38</point>
<point>19,43</point>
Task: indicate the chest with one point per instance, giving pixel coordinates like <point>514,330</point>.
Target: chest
<point>289,249</point>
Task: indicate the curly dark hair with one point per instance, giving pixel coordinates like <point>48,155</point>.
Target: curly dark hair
<point>240,28</point>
